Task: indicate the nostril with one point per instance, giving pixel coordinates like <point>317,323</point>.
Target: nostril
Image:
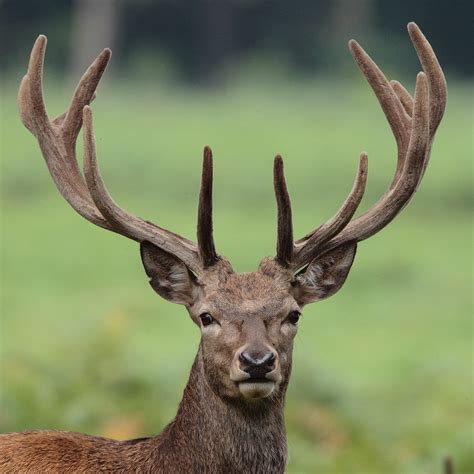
<point>246,358</point>
<point>271,358</point>
<point>257,366</point>
<point>267,360</point>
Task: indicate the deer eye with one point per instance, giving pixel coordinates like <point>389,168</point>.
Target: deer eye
<point>206,319</point>
<point>293,317</point>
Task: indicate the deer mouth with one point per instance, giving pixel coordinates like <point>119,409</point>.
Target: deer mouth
<point>255,388</point>
<point>257,380</point>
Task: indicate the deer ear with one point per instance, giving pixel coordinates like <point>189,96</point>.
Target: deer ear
<point>169,277</point>
<point>325,275</point>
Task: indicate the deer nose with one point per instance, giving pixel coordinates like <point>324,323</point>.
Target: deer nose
<point>257,366</point>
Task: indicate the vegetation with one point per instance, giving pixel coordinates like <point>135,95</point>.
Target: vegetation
<point>382,378</point>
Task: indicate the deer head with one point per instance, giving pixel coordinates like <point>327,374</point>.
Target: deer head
<point>248,321</point>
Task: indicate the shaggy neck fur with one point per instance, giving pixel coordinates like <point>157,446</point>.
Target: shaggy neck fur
<point>210,434</point>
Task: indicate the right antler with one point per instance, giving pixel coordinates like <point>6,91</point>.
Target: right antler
<point>413,123</point>
<point>89,197</point>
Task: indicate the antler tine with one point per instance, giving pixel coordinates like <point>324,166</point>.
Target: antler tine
<point>123,222</point>
<point>391,105</point>
<point>83,95</point>
<point>33,93</point>
<point>404,96</point>
<point>305,247</point>
<point>397,117</point>
<point>285,225</point>
<point>436,79</point>
<point>207,250</point>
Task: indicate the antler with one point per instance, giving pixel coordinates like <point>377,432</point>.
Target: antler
<point>285,226</point>
<point>89,197</point>
<point>413,123</point>
<point>205,239</point>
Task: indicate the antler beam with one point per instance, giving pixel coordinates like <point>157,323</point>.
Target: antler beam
<point>89,196</point>
<point>413,123</point>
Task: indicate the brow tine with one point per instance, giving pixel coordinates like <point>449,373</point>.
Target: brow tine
<point>207,250</point>
<point>285,223</point>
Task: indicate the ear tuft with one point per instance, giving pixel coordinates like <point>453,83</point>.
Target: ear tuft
<point>169,276</point>
<point>325,275</point>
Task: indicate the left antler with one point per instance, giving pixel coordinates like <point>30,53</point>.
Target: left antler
<point>413,122</point>
<point>89,196</point>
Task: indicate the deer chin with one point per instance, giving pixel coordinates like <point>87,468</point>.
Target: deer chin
<point>254,390</point>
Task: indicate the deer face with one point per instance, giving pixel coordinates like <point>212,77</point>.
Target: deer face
<point>248,321</point>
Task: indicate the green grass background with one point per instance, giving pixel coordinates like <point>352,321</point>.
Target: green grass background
<point>382,379</point>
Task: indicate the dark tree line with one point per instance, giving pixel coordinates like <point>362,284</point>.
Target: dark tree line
<point>202,37</point>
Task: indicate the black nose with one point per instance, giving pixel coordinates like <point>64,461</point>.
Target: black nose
<point>257,366</point>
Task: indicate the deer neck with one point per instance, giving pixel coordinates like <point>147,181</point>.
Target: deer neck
<point>237,436</point>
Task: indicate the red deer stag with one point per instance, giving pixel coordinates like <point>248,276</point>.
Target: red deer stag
<point>231,416</point>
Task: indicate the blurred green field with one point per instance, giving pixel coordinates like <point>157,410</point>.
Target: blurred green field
<point>382,379</point>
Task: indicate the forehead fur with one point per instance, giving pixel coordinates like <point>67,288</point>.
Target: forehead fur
<point>263,290</point>
<point>251,286</point>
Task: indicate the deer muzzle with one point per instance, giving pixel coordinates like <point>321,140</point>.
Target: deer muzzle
<point>257,373</point>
